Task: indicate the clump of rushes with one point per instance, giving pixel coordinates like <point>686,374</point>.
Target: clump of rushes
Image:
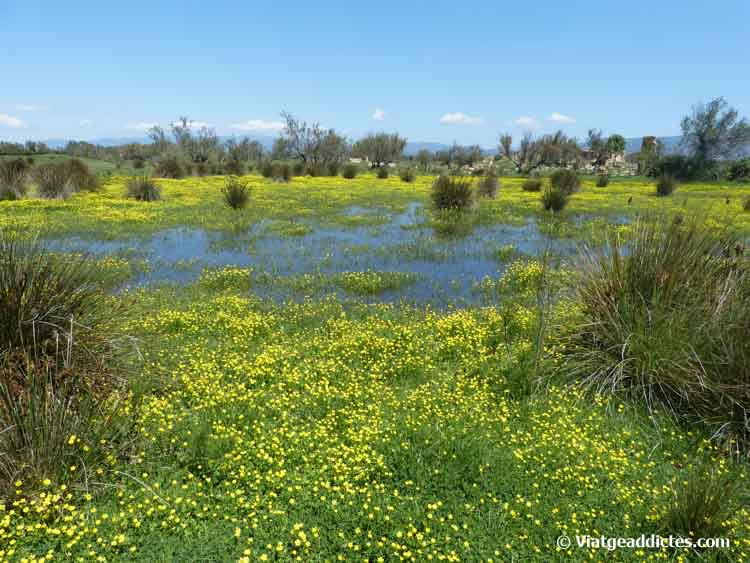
<point>665,185</point>
<point>169,167</point>
<point>350,171</point>
<point>451,193</point>
<point>407,175</point>
<point>488,185</point>
<point>554,199</point>
<point>58,364</point>
<point>143,188</point>
<point>602,181</point>
<point>382,172</point>
<point>664,319</point>
<point>266,169</point>
<point>565,180</point>
<point>532,185</point>
<point>236,193</point>
<point>282,172</point>
<point>234,167</point>
<point>53,181</point>
<point>80,176</point>
<point>703,497</point>
<point>13,179</point>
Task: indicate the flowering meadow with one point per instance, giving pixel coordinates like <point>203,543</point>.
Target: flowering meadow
<point>338,427</point>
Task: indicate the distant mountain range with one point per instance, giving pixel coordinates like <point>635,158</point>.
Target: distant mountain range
<point>671,144</point>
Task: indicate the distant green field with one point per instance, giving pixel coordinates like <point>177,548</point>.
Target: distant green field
<point>95,164</point>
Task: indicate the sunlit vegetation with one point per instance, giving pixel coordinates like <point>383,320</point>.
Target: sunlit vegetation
<point>595,382</point>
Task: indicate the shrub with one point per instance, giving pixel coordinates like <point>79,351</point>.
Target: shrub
<point>746,204</point>
<point>350,171</point>
<point>53,181</point>
<point>739,171</point>
<point>169,167</point>
<point>602,181</point>
<point>451,193</point>
<point>298,168</point>
<point>407,175</point>
<point>554,198</point>
<point>488,185</point>
<point>80,176</point>
<point>685,168</point>
<point>201,169</point>
<point>664,319</point>
<point>315,169</point>
<point>13,179</point>
<point>56,360</point>
<point>702,499</point>
<point>382,172</point>
<point>138,162</point>
<point>283,172</point>
<point>266,169</point>
<point>565,180</point>
<point>532,185</point>
<point>332,169</point>
<point>665,185</point>
<point>143,188</point>
<point>236,193</point>
<point>234,167</point>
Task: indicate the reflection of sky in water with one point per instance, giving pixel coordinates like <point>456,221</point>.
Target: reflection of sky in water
<point>447,267</point>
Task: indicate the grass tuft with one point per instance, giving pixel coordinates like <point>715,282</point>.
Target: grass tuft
<point>451,193</point>
<point>664,319</point>
<point>236,193</point>
<point>143,188</point>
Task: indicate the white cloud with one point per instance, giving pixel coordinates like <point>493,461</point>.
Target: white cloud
<point>527,122</point>
<point>258,125</point>
<point>140,126</point>
<point>29,107</point>
<point>561,118</point>
<point>194,124</point>
<point>460,118</point>
<point>378,115</point>
<point>10,121</point>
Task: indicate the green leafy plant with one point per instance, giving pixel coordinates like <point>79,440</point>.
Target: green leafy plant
<point>532,185</point>
<point>382,172</point>
<point>602,181</point>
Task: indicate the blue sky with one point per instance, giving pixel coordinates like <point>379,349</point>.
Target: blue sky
<point>432,70</point>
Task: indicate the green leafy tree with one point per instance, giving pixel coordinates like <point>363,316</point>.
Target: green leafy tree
<point>380,148</point>
<point>714,131</point>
